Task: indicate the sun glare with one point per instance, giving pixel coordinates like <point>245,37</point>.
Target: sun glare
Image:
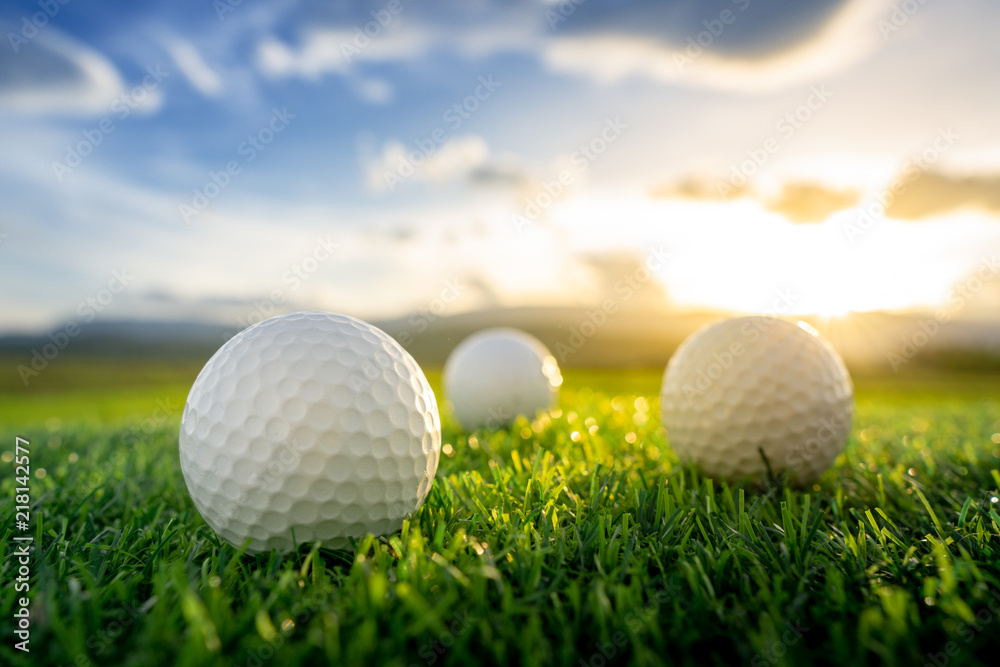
<point>831,310</point>
<point>740,257</point>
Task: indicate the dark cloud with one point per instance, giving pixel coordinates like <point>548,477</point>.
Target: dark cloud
<point>33,64</point>
<point>53,73</point>
<point>756,29</point>
<point>499,173</point>
<point>933,193</point>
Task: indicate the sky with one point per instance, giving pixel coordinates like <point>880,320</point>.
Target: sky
<point>213,160</point>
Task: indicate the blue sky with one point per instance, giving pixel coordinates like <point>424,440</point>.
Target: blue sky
<point>304,123</point>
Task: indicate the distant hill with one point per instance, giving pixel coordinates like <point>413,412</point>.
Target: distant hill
<point>128,338</point>
<point>576,336</point>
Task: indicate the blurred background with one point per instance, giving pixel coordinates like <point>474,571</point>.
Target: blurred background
<point>608,175</point>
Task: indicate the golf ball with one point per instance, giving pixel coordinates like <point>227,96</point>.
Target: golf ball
<point>305,427</point>
<point>497,374</point>
<point>753,385</point>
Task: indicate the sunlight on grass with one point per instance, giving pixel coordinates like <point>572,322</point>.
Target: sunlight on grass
<point>572,533</point>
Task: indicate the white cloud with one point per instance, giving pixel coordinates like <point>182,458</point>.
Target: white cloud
<point>376,91</point>
<point>845,39</point>
<point>335,51</point>
<point>277,60</point>
<point>56,74</point>
<point>328,51</point>
<point>455,159</point>
<point>194,69</point>
<point>451,162</point>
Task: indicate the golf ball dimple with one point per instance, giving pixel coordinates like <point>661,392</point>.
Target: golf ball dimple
<point>753,385</point>
<point>495,375</point>
<point>305,427</point>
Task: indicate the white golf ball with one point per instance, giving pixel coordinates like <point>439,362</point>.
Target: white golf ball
<point>309,426</point>
<point>497,374</point>
<point>757,384</point>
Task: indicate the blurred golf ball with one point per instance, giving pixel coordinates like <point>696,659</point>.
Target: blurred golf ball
<point>752,384</point>
<point>313,424</point>
<point>497,374</point>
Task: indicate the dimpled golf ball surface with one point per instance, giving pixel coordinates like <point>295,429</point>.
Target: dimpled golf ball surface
<point>757,383</point>
<point>497,374</point>
<point>312,423</point>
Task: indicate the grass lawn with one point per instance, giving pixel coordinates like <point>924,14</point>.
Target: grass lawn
<point>575,539</point>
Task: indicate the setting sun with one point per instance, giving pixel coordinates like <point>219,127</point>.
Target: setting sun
<point>740,257</point>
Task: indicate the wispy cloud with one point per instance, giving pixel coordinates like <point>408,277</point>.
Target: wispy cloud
<point>190,63</point>
<point>337,51</point>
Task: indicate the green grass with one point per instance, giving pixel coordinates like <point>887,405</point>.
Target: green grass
<point>555,542</point>
<point>95,391</point>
